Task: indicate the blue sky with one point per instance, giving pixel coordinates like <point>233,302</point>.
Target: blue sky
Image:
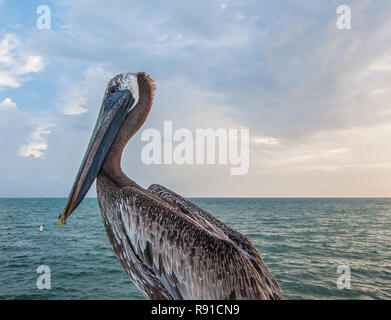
<point>315,98</point>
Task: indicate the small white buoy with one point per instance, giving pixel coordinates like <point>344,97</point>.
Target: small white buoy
<point>41,229</point>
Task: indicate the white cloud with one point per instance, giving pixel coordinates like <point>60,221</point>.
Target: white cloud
<point>7,45</point>
<point>15,64</point>
<point>39,133</point>
<point>386,67</point>
<point>30,64</point>
<point>382,63</point>
<point>37,145</point>
<point>79,96</point>
<point>7,80</point>
<point>335,151</point>
<point>266,140</point>
<point>33,149</point>
<point>12,118</point>
<point>379,91</point>
<point>74,106</point>
<point>7,103</point>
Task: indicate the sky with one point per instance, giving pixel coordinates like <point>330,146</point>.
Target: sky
<point>315,98</point>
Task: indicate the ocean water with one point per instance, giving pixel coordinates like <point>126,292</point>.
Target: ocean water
<point>303,241</point>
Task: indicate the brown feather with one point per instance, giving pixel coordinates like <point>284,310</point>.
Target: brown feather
<point>168,246</point>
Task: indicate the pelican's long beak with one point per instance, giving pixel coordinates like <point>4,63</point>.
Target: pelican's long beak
<point>115,106</point>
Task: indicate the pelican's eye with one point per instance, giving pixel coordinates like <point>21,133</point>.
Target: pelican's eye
<point>113,94</point>
<point>113,90</point>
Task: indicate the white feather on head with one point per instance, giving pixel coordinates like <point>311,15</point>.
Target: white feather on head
<point>125,81</point>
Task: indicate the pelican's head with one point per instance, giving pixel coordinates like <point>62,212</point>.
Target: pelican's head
<point>121,95</point>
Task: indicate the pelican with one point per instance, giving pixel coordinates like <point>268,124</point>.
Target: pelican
<point>168,246</point>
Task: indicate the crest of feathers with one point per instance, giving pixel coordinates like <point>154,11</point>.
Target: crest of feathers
<point>146,80</point>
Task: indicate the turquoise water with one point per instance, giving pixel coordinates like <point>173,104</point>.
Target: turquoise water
<point>302,241</point>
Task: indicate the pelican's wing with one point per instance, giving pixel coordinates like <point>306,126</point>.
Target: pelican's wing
<point>189,261</point>
<point>206,219</point>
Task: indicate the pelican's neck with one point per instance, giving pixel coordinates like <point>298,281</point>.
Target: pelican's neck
<point>111,167</point>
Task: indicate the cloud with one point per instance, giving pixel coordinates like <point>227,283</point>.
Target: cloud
<point>78,96</point>
<point>286,74</point>
<point>266,140</point>
<point>315,98</point>
<point>8,104</point>
<point>74,105</point>
<point>15,64</point>
<point>37,145</point>
<point>33,149</point>
<point>41,153</point>
<point>31,64</point>
<point>17,127</point>
<point>333,152</point>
